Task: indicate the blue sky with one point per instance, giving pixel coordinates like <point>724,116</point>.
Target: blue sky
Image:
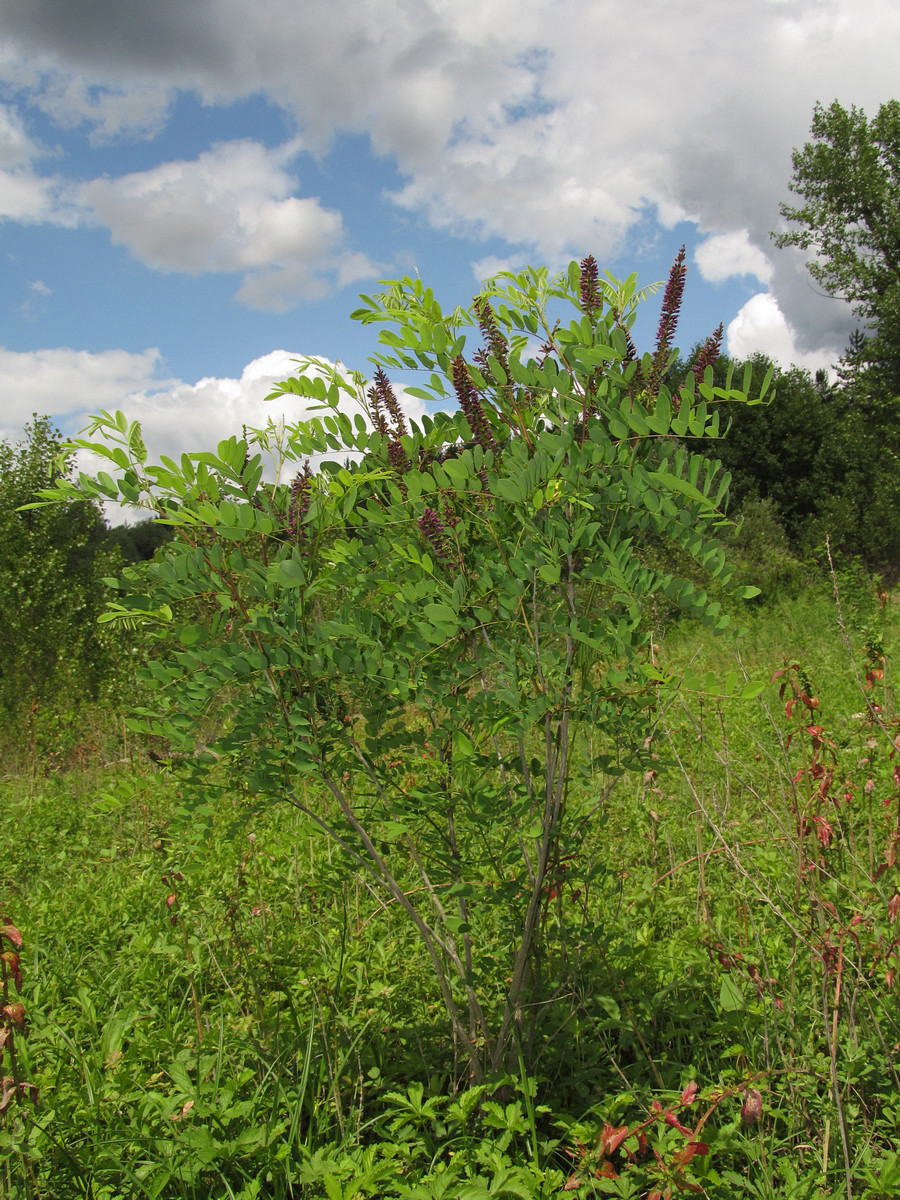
<point>191,194</point>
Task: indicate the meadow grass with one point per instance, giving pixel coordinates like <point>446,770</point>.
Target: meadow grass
<point>218,1005</point>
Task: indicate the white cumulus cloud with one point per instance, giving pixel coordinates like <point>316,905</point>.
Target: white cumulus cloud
<point>26,195</point>
<point>176,416</point>
<point>231,209</point>
<point>64,383</point>
<point>131,110</point>
<point>761,327</point>
<point>728,254</point>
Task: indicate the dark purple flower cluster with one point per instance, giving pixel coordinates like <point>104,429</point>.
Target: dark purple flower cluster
<point>632,356</point>
<point>471,404</point>
<point>450,517</point>
<point>494,341</point>
<point>591,299</point>
<point>376,407</point>
<point>710,352</point>
<point>397,456</point>
<point>385,393</point>
<point>299,505</point>
<point>668,320</point>
<point>435,533</point>
<point>383,404</point>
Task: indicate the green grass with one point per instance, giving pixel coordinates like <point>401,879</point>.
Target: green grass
<point>218,1006</point>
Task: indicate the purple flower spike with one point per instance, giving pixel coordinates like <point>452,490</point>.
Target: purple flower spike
<point>668,320</point>
<point>494,341</point>
<point>709,353</point>
<point>299,505</point>
<point>470,403</point>
<point>389,401</point>
<point>435,531</point>
<point>591,299</point>
<point>397,457</point>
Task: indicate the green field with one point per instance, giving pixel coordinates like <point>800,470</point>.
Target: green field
<point>218,1005</point>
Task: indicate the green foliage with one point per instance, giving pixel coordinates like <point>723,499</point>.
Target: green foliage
<point>438,651</point>
<point>51,564</point>
<point>849,179</point>
<point>824,462</point>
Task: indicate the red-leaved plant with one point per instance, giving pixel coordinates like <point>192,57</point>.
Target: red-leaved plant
<point>12,1016</point>
<point>667,1165</point>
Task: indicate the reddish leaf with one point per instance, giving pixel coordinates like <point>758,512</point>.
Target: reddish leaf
<point>16,1014</point>
<point>683,1157</point>
<point>612,1138</point>
<point>606,1171</point>
<point>673,1123</point>
<point>10,931</point>
<point>789,708</point>
<point>894,906</point>
<point>823,831</point>
<point>12,965</point>
<point>689,1095</point>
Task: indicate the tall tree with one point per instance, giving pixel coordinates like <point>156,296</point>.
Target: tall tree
<point>849,179</point>
<point>51,564</point>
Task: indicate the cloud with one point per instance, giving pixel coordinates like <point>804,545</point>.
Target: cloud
<point>16,148</point>
<point>135,110</point>
<point>33,304</point>
<point>65,383</point>
<point>230,210</point>
<point>492,264</point>
<point>560,127</point>
<point>761,327</point>
<point>196,416</point>
<point>24,194</point>
<point>176,416</point>
<point>728,254</point>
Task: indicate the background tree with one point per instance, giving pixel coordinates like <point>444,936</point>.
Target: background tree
<point>849,181</point>
<point>139,542</point>
<point>52,561</point>
<point>823,456</point>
